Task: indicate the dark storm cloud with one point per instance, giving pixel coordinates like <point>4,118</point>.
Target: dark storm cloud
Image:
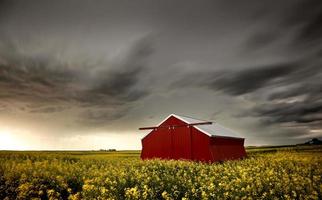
<point>236,62</point>
<point>246,81</point>
<point>301,21</point>
<point>298,102</point>
<point>260,40</point>
<point>298,112</point>
<point>287,93</point>
<point>313,91</point>
<point>39,79</point>
<point>251,79</point>
<point>99,116</point>
<point>119,82</point>
<point>4,6</point>
<point>307,16</point>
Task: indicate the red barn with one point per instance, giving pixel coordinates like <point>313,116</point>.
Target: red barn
<point>179,137</point>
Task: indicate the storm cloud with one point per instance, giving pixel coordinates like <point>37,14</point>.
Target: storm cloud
<point>102,68</point>
<point>52,85</point>
<point>286,93</point>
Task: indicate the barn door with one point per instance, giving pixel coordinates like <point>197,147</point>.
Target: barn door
<point>181,144</point>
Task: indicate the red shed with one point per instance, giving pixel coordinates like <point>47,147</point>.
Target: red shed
<point>180,137</point>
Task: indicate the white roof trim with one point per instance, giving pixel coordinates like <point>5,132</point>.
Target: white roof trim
<point>199,129</point>
<point>179,117</point>
<point>165,119</point>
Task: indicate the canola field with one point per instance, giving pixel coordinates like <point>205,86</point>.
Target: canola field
<point>269,173</point>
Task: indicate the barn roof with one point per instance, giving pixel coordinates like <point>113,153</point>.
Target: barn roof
<point>214,129</point>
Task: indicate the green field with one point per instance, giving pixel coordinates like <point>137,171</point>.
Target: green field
<point>288,172</point>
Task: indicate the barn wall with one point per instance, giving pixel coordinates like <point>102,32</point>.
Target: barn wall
<point>157,144</point>
<point>167,143</point>
<point>200,146</point>
<point>188,142</point>
<point>181,143</point>
<point>224,148</point>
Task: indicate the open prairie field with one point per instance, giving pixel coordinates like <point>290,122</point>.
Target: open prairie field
<point>267,173</point>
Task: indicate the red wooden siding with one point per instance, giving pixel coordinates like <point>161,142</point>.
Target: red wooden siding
<point>181,143</point>
<point>200,146</point>
<point>225,148</point>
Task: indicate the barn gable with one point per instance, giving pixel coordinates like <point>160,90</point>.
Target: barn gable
<point>212,130</point>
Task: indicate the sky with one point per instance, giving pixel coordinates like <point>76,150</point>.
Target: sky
<point>87,74</point>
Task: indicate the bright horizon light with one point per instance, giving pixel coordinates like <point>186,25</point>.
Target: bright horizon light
<point>22,139</point>
<point>8,141</point>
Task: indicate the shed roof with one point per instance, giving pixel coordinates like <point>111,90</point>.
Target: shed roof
<point>214,129</point>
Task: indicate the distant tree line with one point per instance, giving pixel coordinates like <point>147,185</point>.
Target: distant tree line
<point>107,150</point>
